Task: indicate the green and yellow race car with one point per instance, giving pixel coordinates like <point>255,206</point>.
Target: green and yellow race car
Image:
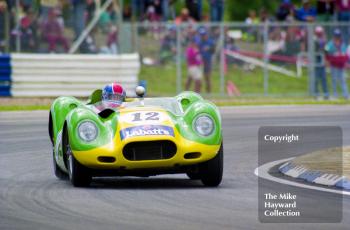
<point>142,137</point>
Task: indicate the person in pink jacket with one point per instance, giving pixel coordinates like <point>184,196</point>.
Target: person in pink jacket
<point>194,66</point>
<point>52,32</point>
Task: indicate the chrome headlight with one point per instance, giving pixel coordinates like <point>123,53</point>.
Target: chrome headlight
<point>87,131</point>
<point>204,125</point>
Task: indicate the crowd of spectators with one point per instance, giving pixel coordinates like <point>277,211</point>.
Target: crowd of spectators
<point>164,10</point>
<point>53,25</point>
<point>76,14</point>
<point>49,22</point>
<point>323,10</point>
<point>332,51</point>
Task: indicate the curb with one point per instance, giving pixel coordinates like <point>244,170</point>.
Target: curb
<point>314,176</point>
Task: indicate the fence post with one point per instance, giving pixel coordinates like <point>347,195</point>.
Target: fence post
<point>311,58</point>
<point>135,37</point>
<point>18,38</point>
<point>266,58</point>
<point>7,30</point>
<point>90,26</point>
<point>178,60</point>
<point>222,60</point>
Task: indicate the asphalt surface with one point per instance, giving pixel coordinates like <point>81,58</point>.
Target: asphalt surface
<point>32,198</point>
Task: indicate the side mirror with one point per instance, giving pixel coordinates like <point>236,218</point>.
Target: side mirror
<point>140,91</point>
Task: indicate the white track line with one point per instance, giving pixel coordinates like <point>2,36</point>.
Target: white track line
<point>262,172</point>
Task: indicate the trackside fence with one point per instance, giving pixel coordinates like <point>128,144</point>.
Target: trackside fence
<point>266,59</point>
<point>263,59</point>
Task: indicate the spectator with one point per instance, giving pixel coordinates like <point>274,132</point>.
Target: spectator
<point>168,46</point>
<point>285,9</point>
<point>188,33</point>
<point>90,10</point>
<point>107,18</point>
<point>251,32</point>
<point>184,17</point>
<point>230,45</point>
<point>79,22</point>
<point>158,8</point>
<point>195,9</point>
<point>45,7</point>
<point>325,10</point>
<point>127,13</point>
<point>207,47</point>
<point>138,9</point>
<point>78,15</point>
<point>104,21</point>
<point>320,67</point>
<point>112,41</point>
<point>252,19</point>
<point>165,4</point>
<point>293,41</point>
<point>28,32</point>
<point>343,10</point>
<point>343,15</point>
<point>306,13</point>
<point>264,16</point>
<point>52,32</point>
<point>216,10</point>
<point>194,63</point>
<point>152,15</point>
<point>2,25</point>
<point>170,11</point>
<point>153,11</point>
<point>336,54</point>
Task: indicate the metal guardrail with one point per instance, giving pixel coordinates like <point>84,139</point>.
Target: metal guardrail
<point>42,75</point>
<point>5,75</point>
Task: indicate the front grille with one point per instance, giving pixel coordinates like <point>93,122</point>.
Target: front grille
<point>149,150</point>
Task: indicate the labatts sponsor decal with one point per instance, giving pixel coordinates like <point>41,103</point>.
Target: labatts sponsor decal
<point>146,130</point>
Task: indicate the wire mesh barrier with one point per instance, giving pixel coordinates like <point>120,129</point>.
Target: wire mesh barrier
<point>296,59</point>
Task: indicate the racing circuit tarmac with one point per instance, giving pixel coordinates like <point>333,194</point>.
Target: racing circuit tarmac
<point>32,198</point>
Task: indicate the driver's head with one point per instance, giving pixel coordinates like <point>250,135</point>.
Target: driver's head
<point>113,95</point>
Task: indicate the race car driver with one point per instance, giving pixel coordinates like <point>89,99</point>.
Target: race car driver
<point>113,96</point>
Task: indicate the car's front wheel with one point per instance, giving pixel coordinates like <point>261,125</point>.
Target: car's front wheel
<point>58,172</point>
<point>79,175</point>
<point>194,175</point>
<point>212,170</point>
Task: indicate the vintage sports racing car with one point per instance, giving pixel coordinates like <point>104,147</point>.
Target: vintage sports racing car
<point>143,137</point>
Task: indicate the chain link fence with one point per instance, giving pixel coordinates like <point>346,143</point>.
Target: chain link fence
<point>271,59</point>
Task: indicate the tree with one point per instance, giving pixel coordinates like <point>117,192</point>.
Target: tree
<point>237,10</point>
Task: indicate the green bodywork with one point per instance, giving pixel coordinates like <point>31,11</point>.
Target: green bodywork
<point>69,112</point>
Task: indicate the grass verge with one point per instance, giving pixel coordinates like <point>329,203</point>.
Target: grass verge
<point>217,101</point>
<point>23,107</point>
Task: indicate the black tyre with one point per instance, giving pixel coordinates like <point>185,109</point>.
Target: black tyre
<point>212,170</point>
<point>194,175</point>
<point>79,175</point>
<point>59,173</point>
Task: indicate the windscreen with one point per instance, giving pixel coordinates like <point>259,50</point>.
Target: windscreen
<point>169,104</point>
